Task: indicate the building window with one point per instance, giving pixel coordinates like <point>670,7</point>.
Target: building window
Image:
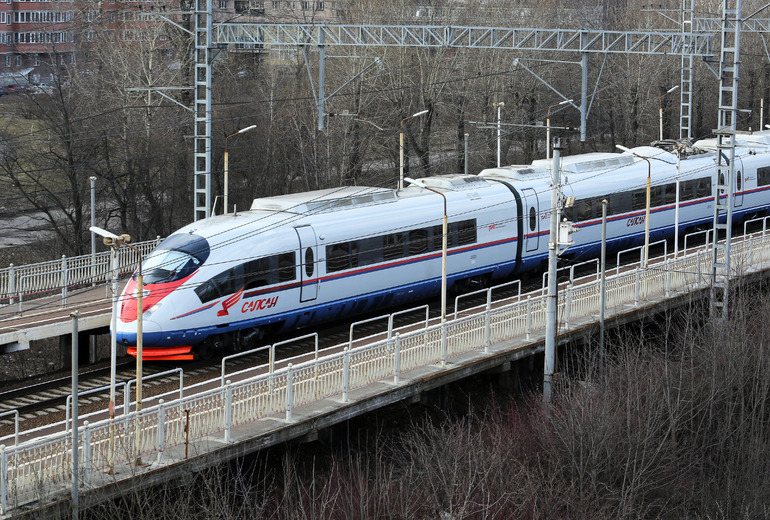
<point>37,60</point>
<point>319,6</point>
<point>305,6</point>
<point>91,36</point>
<point>18,60</point>
<point>8,61</point>
<point>223,4</point>
<point>276,5</point>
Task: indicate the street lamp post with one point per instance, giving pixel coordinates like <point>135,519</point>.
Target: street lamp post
<point>647,205</point>
<point>139,343</point>
<point>444,232</point>
<point>93,235</point>
<point>111,240</point>
<point>241,131</point>
<point>401,147</point>
<point>678,150</point>
<point>548,127</point>
<point>75,461</point>
<point>499,107</point>
<point>115,241</point>
<point>660,107</point>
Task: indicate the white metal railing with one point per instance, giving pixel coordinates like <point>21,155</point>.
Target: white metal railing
<point>21,282</point>
<point>34,468</point>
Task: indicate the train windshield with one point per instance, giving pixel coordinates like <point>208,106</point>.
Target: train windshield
<point>175,258</point>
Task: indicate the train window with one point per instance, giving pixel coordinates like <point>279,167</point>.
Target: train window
<point>465,231</point>
<point>221,285</point>
<point>436,238</point>
<point>532,218</point>
<point>584,209</point>
<point>669,194</point>
<point>369,251</point>
<point>738,181</point>
<point>599,205</point>
<point>207,291</point>
<point>168,266</point>
<point>763,176</point>
<point>393,247</point>
<point>337,257</point>
<point>309,261</point>
<point>256,273</point>
<point>418,241</point>
<point>619,203</point>
<point>686,191</point>
<point>175,258</point>
<point>656,196</point>
<point>287,267</point>
<point>703,187</point>
<point>639,199</point>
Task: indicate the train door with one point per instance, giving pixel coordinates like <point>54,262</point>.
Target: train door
<point>531,216</point>
<point>738,193</point>
<point>308,254</point>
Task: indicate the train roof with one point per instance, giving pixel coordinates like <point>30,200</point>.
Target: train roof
<point>540,169</point>
<point>756,140</point>
<point>322,201</point>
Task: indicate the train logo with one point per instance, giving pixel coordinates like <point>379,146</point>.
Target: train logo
<point>229,302</point>
<point>258,305</point>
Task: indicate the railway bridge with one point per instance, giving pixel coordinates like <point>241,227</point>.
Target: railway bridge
<point>260,406</point>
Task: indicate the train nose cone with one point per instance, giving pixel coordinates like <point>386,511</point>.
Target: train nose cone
<point>126,333</point>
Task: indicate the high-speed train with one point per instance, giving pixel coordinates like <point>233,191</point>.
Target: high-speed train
<point>295,260</point>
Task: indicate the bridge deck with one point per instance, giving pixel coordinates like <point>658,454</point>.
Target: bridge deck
<point>268,405</point>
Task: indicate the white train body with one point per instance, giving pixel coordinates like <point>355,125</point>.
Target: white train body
<point>295,260</point>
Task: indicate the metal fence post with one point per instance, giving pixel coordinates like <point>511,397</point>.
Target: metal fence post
<point>397,370</point>
<point>345,374</point>
<point>444,346</point>
<point>569,303</point>
<point>161,429</point>
<point>228,410</point>
<point>3,480</point>
<point>488,323</point>
<point>668,277</point>
<point>529,316</point>
<point>289,391</point>
<point>636,287</point>
<point>86,453</point>
<point>12,283</point>
<point>64,278</point>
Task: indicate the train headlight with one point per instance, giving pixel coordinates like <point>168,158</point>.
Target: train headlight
<point>152,309</point>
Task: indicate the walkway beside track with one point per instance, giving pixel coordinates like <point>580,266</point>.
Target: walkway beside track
<point>270,404</point>
<point>36,299</point>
